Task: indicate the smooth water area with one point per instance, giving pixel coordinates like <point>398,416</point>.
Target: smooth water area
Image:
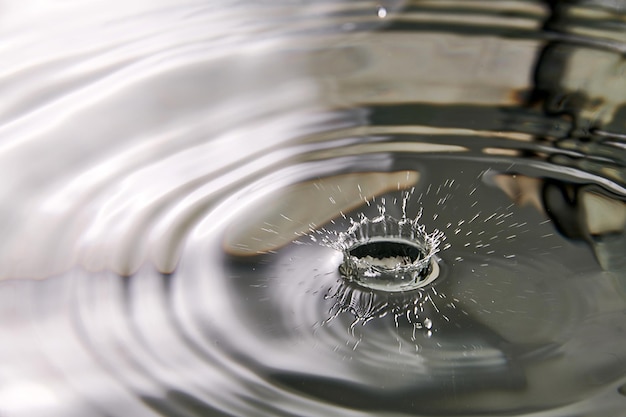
<point>289,208</point>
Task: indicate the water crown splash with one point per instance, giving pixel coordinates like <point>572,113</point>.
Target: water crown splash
<point>389,267</point>
<point>388,254</point>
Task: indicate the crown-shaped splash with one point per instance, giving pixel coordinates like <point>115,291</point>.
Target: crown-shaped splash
<point>388,254</point>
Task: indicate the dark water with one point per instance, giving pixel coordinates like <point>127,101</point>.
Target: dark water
<point>176,177</point>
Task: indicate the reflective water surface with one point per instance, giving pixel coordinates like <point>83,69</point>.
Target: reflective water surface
<point>177,178</point>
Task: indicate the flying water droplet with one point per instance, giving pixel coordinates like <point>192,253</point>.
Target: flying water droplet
<point>428,323</point>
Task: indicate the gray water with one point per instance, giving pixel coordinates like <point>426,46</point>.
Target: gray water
<point>177,178</point>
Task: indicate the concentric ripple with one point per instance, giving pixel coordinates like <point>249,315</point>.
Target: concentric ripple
<point>239,209</point>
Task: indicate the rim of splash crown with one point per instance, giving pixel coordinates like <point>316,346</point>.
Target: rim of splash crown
<point>388,254</point>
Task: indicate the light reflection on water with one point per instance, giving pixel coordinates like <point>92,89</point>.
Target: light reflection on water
<point>168,169</point>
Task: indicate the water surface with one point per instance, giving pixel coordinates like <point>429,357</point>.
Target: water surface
<point>175,175</point>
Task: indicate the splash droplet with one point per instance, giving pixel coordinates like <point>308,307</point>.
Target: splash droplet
<point>428,323</point>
